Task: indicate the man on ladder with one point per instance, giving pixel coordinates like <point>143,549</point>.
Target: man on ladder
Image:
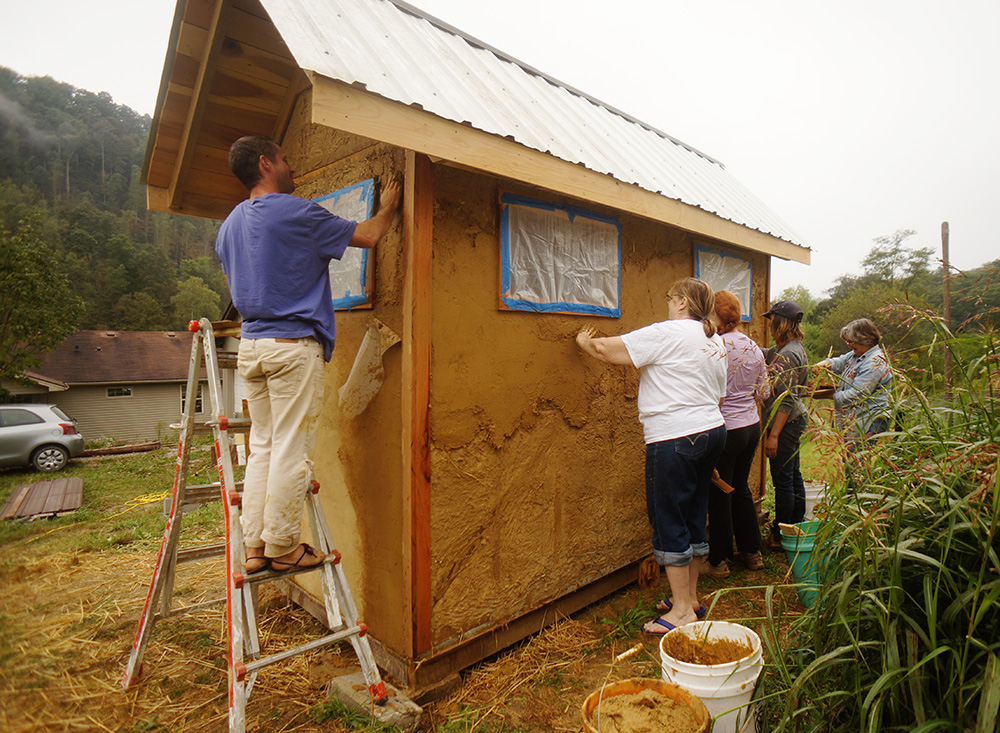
<point>275,249</point>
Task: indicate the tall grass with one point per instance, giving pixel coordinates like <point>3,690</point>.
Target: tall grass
<point>905,635</point>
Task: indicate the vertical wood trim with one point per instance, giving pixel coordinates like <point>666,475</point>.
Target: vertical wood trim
<point>764,462</point>
<point>418,220</point>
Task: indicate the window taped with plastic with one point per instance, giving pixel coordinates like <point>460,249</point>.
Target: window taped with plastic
<point>560,259</point>
<point>724,271</point>
<point>348,275</point>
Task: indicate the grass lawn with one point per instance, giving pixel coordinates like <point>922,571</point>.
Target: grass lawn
<point>72,589</point>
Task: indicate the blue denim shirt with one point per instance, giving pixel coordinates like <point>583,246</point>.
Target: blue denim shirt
<point>863,391</point>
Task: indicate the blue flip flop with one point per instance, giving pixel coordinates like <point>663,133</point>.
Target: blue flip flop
<point>667,606</point>
<point>668,627</point>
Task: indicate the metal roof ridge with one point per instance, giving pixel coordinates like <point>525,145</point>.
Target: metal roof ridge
<point>472,40</point>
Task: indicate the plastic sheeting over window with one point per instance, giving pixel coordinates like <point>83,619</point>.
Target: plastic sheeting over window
<point>349,275</point>
<point>559,259</point>
<point>725,271</point>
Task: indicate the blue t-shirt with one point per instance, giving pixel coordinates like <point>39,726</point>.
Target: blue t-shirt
<point>276,250</point>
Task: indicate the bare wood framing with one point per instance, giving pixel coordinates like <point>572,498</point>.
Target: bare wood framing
<point>418,219</point>
<point>196,109</point>
<point>353,110</point>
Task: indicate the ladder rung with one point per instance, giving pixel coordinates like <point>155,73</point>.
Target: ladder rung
<point>205,493</point>
<point>256,664</point>
<point>196,496</point>
<point>203,427</point>
<point>192,607</point>
<point>187,554</point>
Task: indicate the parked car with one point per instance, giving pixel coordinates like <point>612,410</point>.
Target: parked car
<point>42,436</point>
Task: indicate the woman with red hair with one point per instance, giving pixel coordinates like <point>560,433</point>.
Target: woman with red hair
<point>746,385</point>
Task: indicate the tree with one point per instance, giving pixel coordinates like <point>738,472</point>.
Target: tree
<point>890,261</point>
<point>37,309</point>
<point>194,300</point>
<point>138,312</point>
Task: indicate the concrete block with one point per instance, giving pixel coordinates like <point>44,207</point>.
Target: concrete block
<point>352,690</point>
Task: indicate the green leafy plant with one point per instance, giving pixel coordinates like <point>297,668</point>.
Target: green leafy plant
<point>333,709</point>
<point>626,623</point>
<point>905,635</point>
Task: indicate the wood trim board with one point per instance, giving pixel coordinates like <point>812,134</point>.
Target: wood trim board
<point>418,232</point>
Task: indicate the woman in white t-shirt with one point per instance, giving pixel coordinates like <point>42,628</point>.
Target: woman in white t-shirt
<point>682,380</point>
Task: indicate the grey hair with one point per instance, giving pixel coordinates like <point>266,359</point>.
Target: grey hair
<point>861,331</point>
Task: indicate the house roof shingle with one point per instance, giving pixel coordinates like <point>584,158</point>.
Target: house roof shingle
<point>120,356</point>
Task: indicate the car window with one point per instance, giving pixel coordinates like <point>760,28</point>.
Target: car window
<point>19,417</point>
<point>61,414</point>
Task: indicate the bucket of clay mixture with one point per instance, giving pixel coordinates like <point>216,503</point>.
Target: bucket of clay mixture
<point>815,493</point>
<point>719,662</point>
<point>642,705</point>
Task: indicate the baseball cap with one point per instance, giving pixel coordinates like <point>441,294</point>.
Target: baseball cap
<point>786,309</point>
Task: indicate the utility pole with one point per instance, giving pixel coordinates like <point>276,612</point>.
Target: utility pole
<point>946,267</point>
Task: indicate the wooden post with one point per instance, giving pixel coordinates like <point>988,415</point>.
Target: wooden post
<point>946,267</point>
<point>418,221</point>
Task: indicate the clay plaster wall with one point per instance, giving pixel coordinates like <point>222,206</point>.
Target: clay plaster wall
<point>359,461</point>
<point>537,452</point>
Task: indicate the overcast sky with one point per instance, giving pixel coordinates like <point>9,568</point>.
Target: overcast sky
<point>850,119</point>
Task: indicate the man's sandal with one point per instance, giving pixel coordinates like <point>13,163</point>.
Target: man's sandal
<point>257,564</point>
<point>307,553</point>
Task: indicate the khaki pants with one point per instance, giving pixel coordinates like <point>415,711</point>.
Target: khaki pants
<point>284,380</point>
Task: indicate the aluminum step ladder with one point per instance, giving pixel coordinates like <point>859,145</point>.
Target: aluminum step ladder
<point>244,656</point>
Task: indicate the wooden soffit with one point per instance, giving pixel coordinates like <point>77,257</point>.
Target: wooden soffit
<point>227,73</point>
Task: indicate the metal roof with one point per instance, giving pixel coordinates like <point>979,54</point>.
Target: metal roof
<point>399,52</point>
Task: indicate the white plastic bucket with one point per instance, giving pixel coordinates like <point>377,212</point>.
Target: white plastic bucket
<point>815,494</point>
<point>726,689</point>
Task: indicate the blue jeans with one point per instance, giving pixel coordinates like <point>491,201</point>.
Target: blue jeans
<point>789,491</point>
<point>734,513</point>
<point>678,474</point>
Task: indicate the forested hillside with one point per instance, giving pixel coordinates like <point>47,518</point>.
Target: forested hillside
<point>70,163</point>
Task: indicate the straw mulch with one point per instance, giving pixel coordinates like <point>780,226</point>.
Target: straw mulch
<point>539,685</point>
<point>68,622</point>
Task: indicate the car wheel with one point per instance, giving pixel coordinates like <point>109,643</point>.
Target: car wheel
<point>50,458</point>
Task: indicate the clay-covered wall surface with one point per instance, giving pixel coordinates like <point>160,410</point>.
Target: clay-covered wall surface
<point>359,460</point>
<point>536,450</point>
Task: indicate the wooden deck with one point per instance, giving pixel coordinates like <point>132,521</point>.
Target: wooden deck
<point>49,498</point>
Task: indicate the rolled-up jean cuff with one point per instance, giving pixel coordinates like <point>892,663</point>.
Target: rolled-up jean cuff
<point>674,559</point>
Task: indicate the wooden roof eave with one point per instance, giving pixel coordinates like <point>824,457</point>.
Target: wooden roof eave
<point>168,62</point>
<point>177,177</point>
<point>347,108</point>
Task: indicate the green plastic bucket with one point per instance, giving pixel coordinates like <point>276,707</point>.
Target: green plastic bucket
<point>804,562</point>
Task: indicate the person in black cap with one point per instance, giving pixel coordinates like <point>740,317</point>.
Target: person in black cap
<point>785,416</point>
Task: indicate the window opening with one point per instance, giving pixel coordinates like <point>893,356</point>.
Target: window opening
<point>726,271</point>
<point>352,276</point>
<point>558,259</point>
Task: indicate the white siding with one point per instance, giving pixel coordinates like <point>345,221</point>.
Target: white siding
<point>146,415</point>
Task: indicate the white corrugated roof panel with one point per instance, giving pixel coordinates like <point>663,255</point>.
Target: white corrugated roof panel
<point>398,52</point>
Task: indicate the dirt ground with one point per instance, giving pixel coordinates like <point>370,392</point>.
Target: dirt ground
<point>67,622</point>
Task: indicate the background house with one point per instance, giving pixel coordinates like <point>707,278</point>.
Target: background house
<point>495,479</point>
<point>121,385</point>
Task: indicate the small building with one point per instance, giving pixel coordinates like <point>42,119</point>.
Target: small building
<point>126,386</point>
<point>495,479</point>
